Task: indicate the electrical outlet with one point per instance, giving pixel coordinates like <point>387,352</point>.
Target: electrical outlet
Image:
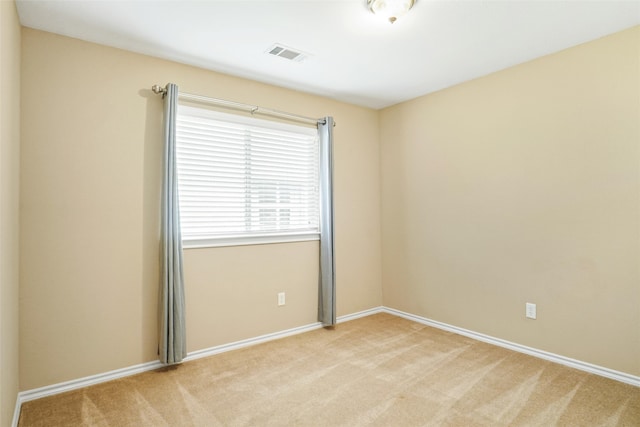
<point>281,298</point>
<point>530,310</point>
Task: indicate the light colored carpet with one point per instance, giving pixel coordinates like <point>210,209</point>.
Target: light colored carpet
<point>380,371</point>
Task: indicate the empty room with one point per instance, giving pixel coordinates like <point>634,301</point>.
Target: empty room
<point>319,213</point>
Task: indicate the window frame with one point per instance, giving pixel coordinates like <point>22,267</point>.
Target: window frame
<point>255,238</point>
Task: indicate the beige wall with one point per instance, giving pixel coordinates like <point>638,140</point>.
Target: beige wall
<point>523,186</point>
<point>9,206</point>
<point>90,194</point>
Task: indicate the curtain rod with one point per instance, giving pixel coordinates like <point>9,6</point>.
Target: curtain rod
<point>253,109</point>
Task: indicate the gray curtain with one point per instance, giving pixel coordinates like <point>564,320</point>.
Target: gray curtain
<point>327,285</point>
<point>172,342</point>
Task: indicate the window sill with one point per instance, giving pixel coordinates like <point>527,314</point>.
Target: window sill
<point>249,240</point>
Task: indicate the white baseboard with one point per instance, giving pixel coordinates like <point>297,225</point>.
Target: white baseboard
<point>274,336</point>
<point>359,314</point>
<point>573,363</point>
<point>50,390</point>
<point>206,352</point>
<point>26,396</point>
<point>16,413</point>
<point>53,389</point>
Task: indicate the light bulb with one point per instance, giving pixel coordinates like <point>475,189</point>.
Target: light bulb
<point>391,10</point>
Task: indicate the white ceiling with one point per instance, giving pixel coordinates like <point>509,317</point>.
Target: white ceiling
<point>353,55</point>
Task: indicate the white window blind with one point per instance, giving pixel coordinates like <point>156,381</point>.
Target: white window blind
<point>245,180</point>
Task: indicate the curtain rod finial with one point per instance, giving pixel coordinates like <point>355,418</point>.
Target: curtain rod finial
<point>158,89</point>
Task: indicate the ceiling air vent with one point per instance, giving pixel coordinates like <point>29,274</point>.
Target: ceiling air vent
<point>286,53</point>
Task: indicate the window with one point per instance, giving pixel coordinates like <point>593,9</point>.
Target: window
<point>243,180</point>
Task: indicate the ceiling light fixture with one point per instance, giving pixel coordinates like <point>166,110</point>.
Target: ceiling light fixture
<point>390,9</point>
